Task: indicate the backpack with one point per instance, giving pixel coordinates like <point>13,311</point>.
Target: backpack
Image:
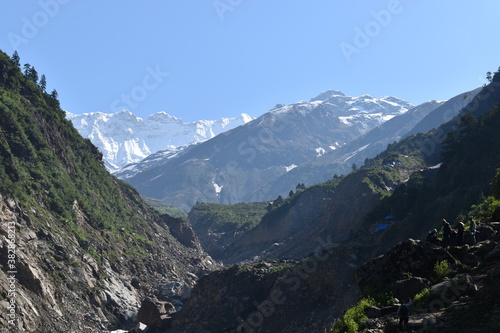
<point>403,311</point>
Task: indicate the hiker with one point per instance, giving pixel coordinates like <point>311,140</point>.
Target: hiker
<point>432,237</point>
<point>404,314</point>
<point>446,233</point>
<point>460,232</point>
<point>472,231</point>
<point>453,237</point>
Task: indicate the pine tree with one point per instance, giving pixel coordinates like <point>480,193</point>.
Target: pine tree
<point>290,194</point>
<point>43,83</point>
<point>33,75</point>
<point>489,77</point>
<point>27,68</point>
<point>30,73</point>
<point>15,59</point>
<point>300,187</point>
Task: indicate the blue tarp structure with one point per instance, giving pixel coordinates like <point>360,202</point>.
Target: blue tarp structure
<point>389,217</point>
<point>381,227</point>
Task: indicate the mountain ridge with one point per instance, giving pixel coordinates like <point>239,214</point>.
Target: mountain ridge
<point>235,163</point>
<point>124,138</point>
<point>423,117</point>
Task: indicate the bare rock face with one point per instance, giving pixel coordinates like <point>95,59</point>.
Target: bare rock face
<point>53,279</point>
<point>154,313</point>
<point>182,230</point>
<point>408,288</point>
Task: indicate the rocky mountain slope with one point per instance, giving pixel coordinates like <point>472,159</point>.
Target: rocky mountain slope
<point>386,185</point>
<point>231,166</point>
<point>124,138</point>
<point>420,119</point>
<point>79,249</point>
<point>453,287</point>
<point>269,296</point>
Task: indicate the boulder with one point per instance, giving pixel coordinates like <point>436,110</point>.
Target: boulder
<point>412,256</point>
<point>495,226</point>
<point>494,254</point>
<point>373,312</point>
<point>485,232</point>
<point>449,291</point>
<point>386,310</point>
<point>482,248</point>
<point>470,259</point>
<point>175,289</point>
<point>153,313</point>
<point>408,288</point>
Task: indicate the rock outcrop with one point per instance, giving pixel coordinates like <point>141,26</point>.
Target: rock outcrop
<point>54,279</point>
<point>464,300</point>
<point>271,296</point>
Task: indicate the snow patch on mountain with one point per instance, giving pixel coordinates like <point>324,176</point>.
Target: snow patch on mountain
<point>351,111</point>
<point>320,151</point>
<point>124,138</point>
<point>218,188</point>
<point>356,152</point>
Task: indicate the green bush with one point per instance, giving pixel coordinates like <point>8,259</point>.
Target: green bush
<point>442,269</point>
<point>354,319</point>
<point>422,299</point>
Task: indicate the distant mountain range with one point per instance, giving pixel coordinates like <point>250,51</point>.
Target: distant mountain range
<point>305,142</point>
<point>237,163</point>
<point>124,138</point>
<point>420,119</point>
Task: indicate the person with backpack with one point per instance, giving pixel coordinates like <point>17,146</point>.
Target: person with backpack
<point>432,237</point>
<point>404,314</point>
<point>446,233</point>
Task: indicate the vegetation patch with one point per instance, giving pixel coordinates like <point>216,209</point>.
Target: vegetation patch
<point>354,319</point>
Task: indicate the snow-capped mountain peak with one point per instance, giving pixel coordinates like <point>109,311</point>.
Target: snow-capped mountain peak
<point>366,110</point>
<point>327,95</point>
<point>124,138</point>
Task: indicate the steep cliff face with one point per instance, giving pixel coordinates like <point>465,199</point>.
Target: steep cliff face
<point>280,227</point>
<point>58,286</point>
<point>79,249</point>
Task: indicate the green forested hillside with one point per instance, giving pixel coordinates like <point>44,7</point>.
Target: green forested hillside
<point>45,161</point>
<point>81,233</point>
<point>465,154</point>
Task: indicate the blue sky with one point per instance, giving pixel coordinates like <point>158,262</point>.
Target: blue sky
<point>206,59</point>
